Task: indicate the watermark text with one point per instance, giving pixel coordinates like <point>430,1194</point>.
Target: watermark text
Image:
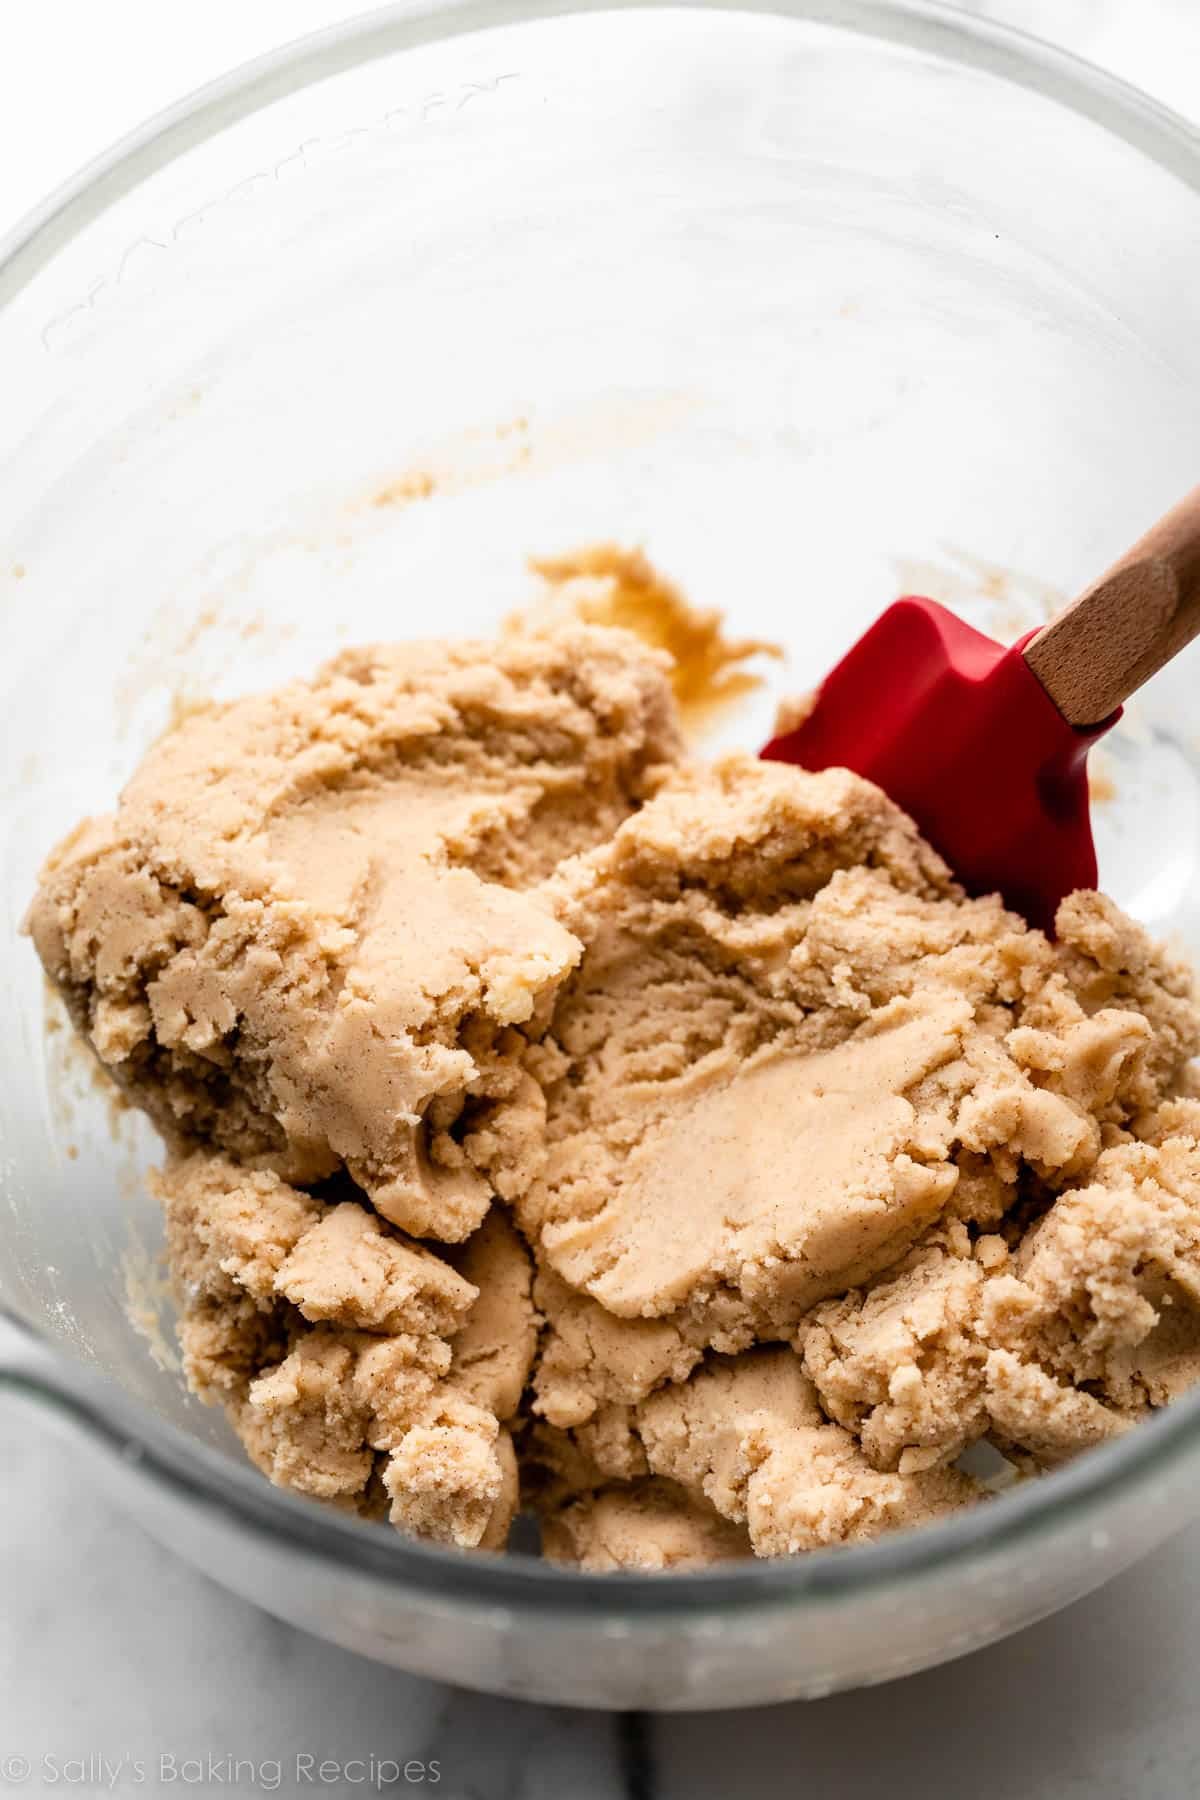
<point>99,1772</point>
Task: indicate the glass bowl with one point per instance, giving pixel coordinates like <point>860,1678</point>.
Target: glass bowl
<point>817,301</point>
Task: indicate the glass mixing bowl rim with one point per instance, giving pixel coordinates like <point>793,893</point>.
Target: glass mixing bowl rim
<point>226,1489</point>
<point>206,1478</point>
<point>1000,50</point>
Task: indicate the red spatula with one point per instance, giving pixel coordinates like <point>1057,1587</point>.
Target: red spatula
<point>987,747</point>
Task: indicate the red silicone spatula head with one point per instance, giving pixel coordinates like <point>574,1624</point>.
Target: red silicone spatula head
<point>962,734</point>
<point>986,747</point>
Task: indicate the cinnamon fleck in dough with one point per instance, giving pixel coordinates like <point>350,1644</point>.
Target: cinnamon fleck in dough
<point>759,1175</point>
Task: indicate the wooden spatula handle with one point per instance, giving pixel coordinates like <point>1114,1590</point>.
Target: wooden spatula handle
<point>1103,646</point>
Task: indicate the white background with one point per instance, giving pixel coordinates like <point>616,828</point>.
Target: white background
<point>110,1647</point>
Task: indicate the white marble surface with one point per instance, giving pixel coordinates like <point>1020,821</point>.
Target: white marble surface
<point>109,1648</point>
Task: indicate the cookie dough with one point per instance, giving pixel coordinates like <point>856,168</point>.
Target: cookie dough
<point>786,1029</point>
<point>745,1436</point>
<point>671,1148</point>
<point>354,1364</point>
<point>649,1525</point>
<point>315,914</point>
<point>747,1432</point>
